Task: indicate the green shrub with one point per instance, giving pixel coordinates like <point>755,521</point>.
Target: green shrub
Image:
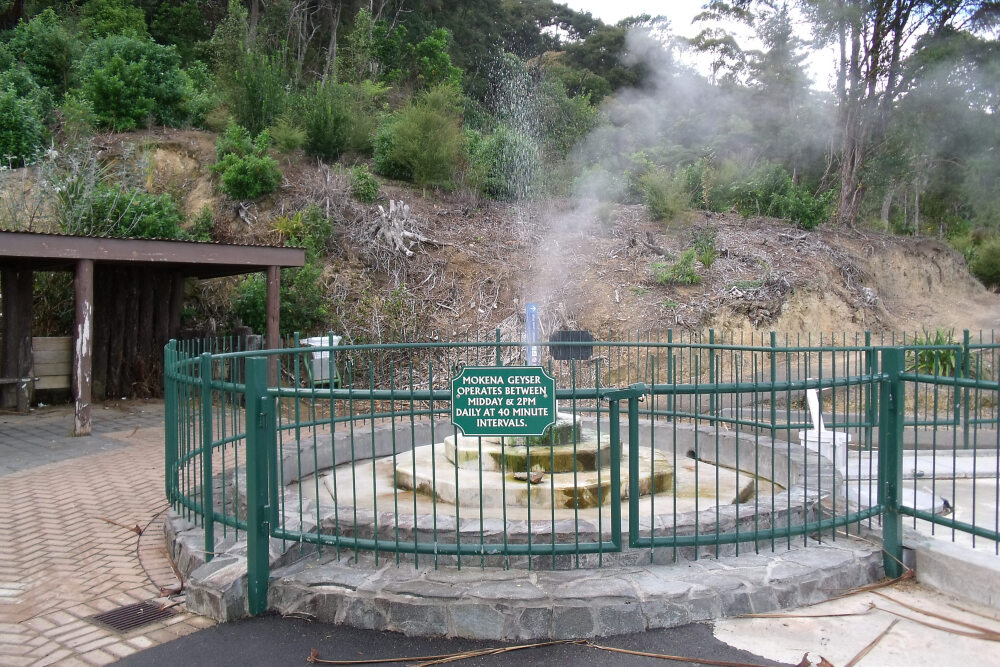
<point>287,135</point>
<point>564,120</point>
<point>255,91</point>
<point>505,163</point>
<point>986,264</point>
<point>247,171</point>
<point>22,131</point>
<point>18,79</point>
<point>431,61</point>
<point>309,229</point>
<point>704,246</point>
<point>101,18</point>
<point>204,223</point>
<point>427,137</point>
<point>76,118</point>
<point>681,272</point>
<point>130,81</point>
<point>934,361</point>
<point>204,93</point>
<point>766,190</point>
<point>364,186</point>
<point>326,124</point>
<point>663,195</point>
<point>802,207</point>
<point>303,301</point>
<point>47,49</point>
<point>386,163</point>
<point>364,103</point>
<point>122,212</point>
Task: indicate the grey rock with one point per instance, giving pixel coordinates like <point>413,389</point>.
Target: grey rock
<point>416,619</point>
<point>572,623</point>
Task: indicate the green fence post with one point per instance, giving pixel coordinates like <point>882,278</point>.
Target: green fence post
<point>633,470</point>
<point>260,432</point>
<point>207,497</point>
<point>892,407</point>
<point>869,392</point>
<point>614,426</point>
<point>966,371</point>
<point>170,419</point>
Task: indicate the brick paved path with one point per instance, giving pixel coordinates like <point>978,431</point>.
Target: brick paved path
<point>61,558</point>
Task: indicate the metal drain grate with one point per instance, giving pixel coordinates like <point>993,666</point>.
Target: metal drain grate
<point>131,616</point>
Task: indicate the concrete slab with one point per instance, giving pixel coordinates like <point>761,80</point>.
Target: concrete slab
<point>824,630</point>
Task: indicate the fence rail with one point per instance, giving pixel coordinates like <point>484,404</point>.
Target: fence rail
<point>677,448</point>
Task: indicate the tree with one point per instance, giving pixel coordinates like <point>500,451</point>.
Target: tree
<point>873,38</point>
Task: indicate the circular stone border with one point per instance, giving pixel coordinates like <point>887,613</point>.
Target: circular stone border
<point>808,479</point>
<point>628,594</point>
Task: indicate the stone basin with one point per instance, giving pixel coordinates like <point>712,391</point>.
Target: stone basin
<point>433,473</point>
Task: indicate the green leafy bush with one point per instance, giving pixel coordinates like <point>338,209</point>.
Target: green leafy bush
<point>432,63</point>
<point>326,124</point>
<point>663,194</point>
<point>47,49</point>
<point>288,135</point>
<point>122,212</point>
<point>933,361</point>
<point>704,246</point>
<point>204,223</point>
<point>363,103</point>
<point>309,229</point>
<point>682,272</point>
<point>425,139</point>
<point>204,95</point>
<point>303,301</point>
<point>18,79</point>
<point>247,171</point>
<point>564,120</point>
<point>22,131</point>
<point>505,163</point>
<point>130,81</point>
<point>766,190</point>
<point>76,118</point>
<point>101,18</point>
<point>255,90</point>
<point>364,186</point>
<point>386,162</point>
<point>986,264</point>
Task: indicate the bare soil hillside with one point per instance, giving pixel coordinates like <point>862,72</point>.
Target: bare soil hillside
<point>589,266</point>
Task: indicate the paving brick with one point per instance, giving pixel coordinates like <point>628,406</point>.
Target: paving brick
<point>120,649</point>
<point>68,562</point>
<point>53,658</point>
<point>98,657</point>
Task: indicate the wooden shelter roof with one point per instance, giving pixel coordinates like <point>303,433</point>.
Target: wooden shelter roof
<point>60,252</point>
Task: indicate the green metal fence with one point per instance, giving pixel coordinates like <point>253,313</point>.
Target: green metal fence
<point>678,448</point>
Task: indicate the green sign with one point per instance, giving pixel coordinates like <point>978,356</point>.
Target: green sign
<point>503,401</point>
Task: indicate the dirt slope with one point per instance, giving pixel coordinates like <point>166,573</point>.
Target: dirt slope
<point>588,265</point>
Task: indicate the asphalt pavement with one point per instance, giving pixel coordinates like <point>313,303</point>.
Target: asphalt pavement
<point>273,640</point>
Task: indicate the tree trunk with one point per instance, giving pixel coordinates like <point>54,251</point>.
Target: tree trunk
<point>331,48</point>
<point>886,207</point>
<point>254,19</point>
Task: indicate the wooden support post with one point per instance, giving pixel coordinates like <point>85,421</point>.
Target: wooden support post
<point>17,286</point>
<point>271,334</point>
<point>83,338</point>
